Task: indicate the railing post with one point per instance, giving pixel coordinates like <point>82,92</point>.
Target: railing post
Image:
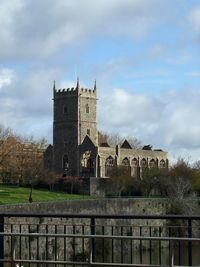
<point>92,230</point>
<point>171,253</point>
<point>1,240</point>
<point>190,242</point>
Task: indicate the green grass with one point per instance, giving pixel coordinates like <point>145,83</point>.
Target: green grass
<point>15,195</point>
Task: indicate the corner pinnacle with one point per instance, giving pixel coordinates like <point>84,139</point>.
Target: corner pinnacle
<point>95,85</point>
<point>54,85</point>
<point>77,84</point>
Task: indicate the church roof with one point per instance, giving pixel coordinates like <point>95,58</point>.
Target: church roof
<point>126,145</point>
<point>104,144</point>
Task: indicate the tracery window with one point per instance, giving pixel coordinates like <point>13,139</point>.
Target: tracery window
<point>109,165</point>
<point>125,162</point>
<point>134,162</point>
<point>65,163</point>
<point>162,163</point>
<point>87,164</point>
<point>152,163</point>
<point>143,163</point>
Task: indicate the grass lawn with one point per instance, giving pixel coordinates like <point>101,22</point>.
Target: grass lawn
<point>15,195</point>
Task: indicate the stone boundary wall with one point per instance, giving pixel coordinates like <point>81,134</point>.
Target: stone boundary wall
<point>127,206</point>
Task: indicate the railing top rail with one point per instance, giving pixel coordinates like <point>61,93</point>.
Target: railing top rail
<point>98,216</point>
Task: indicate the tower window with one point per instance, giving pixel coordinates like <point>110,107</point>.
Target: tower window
<point>65,109</point>
<point>88,131</point>
<point>65,163</point>
<point>87,108</point>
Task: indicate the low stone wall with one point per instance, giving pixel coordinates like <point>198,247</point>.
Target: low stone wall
<point>130,206</point>
<point>69,226</point>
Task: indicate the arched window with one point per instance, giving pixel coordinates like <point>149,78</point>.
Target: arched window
<point>87,164</point>
<point>134,162</point>
<point>87,108</point>
<point>65,164</point>
<point>126,165</point>
<point>109,165</point>
<point>125,162</point>
<point>152,163</point>
<point>143,163</point>
<point>162,163</point>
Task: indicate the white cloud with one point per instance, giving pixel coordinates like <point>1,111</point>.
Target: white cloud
<point>6,77</point>
<point>30,28</point>
<point>194,18</point>
<point>170,121</point>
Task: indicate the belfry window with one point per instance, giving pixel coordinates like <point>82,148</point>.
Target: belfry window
<point>87,108</point>
<point>65,164</point>
<point>88,132</point>
<point>65,109</point>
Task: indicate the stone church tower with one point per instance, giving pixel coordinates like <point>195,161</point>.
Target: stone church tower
<point>76,150</point>
<point>74,118</point>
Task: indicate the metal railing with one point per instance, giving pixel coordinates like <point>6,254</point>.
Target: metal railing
<point>97,240</point>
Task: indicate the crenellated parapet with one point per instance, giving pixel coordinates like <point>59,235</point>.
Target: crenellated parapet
<point>74,91</point>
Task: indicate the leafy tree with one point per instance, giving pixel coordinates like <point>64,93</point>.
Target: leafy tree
<point>71,183</point>
<point>153,180</point>
<point>50,178</point>
<point>120,179</point>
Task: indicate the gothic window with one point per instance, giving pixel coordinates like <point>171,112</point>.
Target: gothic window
<point>162,164</point>
<point>125,162</point>
<point>87,164</point>
<point>65,109</point>
<point>143,163</point>
<point>109,165</point>
<point>87,108</point>
<point>65,163</point>
<point>134,162</point>
<point>152,163</point>
<point>88,132</point>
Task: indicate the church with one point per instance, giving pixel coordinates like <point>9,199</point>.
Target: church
<point>77,150</point>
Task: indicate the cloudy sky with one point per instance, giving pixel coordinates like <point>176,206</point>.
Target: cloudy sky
<point>144,54</point>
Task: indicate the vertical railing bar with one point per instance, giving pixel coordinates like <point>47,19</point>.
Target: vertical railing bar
<point>131,245</point>
<point>169,242</point>
<point>65,258</point>
<point>55,226</point>
<point>29,244</point>
<point>92,230</point>
<point>103,244</point>
<point>190,242</point>
<point>122,246</point>
<point>171,253</point>
<point>20,242</point>
<point>12,246</point>
<point>140,245</point>
<point>112,232</point>
<point>38,252</point>
<point>179,246</point>
<point>1,240</point>
<point>160,257</point>
<point>83,243</point>
<point>74,243</point>
<point>47,254</point>
<point>150,246</point>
